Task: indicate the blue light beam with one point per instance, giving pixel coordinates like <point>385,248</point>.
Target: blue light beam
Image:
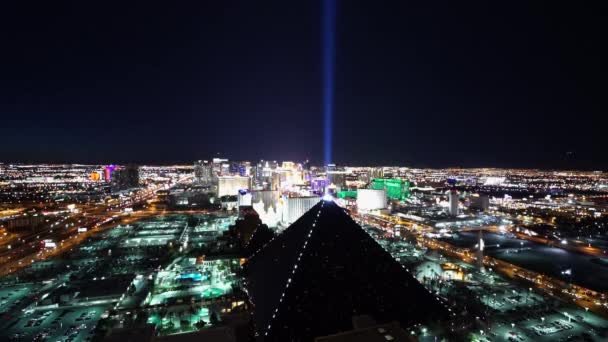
<point>329,32</point>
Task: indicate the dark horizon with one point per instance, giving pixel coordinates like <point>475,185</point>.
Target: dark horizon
<point>190,162</point>
<point>422,85</point>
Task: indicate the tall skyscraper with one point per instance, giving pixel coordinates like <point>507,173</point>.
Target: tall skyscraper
<point>125,177</point>
<point>230,185</point>
<point>453,202</point>
<point>480,202</point>
<point>107,172</point>
<point>306,165</point>
<point>203,172</point>
<point>220,166</point>
<point>337,178</point>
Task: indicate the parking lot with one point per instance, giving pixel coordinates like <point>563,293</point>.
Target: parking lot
<point>69,325</point>
<point>502,309</point>
<point>128,270</point>
<point>12,295</point>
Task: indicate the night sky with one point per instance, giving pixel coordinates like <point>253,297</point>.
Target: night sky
<point>505,84</point>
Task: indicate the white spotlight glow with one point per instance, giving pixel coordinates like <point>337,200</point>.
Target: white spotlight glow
<point>328,197</point>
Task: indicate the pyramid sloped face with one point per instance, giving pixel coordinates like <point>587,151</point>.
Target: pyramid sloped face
<point>323,270</point>
<point>261,236</point>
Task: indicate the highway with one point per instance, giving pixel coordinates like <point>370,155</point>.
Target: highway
<point>64,232</point>
<point>62,229</point>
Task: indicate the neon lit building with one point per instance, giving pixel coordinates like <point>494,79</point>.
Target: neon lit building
<point>396,189</point>
<point>95,176</point>
<point>352,193</point>
<point>230,185</point>
<point>107,172</point>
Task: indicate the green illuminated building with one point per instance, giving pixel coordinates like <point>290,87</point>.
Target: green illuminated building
<point>396,189</point>
<point>349,193</point>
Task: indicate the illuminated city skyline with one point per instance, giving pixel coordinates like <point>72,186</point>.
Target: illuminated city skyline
<point>312,171</point>
<point>189,249</point>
